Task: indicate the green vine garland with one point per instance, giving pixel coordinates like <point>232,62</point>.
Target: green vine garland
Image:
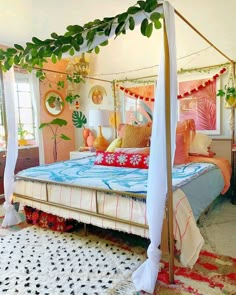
<point>38,51</point>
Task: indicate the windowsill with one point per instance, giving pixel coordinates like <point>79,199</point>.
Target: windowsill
<point>30,146</point>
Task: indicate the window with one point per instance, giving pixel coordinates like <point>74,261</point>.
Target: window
<point>25,116</point>
<point>24,106</point>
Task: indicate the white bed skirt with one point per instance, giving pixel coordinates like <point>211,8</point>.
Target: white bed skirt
<point>114,205</point>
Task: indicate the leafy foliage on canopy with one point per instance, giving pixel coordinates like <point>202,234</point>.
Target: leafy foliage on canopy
<point>38,51</point>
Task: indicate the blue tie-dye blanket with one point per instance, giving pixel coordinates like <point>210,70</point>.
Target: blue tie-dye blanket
<point>84,173</point>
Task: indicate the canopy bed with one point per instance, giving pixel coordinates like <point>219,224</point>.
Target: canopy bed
<point>159,174</point>
<point>96,190</point>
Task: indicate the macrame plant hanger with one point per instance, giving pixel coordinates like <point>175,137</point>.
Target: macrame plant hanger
<point>228,103</point>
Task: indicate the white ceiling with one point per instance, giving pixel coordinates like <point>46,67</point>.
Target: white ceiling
<point>21,20</point>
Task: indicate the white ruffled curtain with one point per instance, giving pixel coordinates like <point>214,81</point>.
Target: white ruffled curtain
<point>11,215</point>
<point>145,277</point>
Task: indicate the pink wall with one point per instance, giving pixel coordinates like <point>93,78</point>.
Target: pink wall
<point>64,147</point>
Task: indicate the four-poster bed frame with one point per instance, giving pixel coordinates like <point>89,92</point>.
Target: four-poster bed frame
<point>169,206</point>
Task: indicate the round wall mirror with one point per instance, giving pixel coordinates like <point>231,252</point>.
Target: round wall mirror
<point>54,103</point>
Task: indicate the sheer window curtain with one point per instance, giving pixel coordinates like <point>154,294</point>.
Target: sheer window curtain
<point>34,82</point>
<point>11,215</point>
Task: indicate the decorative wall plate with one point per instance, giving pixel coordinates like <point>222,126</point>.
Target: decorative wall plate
<point>97,93</point>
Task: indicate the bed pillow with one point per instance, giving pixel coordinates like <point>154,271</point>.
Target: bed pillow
<point>122,160</point>
<point>116,143</point>
<point>182,149</point>
<point>145,150</point>
<point>121,130</point>
<point>210,154</point>
<point>187,126</point>
<point>136,136</point>
<point>185,132</point>
<point>200,144</point>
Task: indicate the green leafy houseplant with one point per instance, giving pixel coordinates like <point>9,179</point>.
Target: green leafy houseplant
<point>229,94</point>
<point>74,78</point>
<point>54,125</point>
<point>22,133</point>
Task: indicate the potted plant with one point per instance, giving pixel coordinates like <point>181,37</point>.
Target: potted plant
<point>21,134</point>
<point>53,125</point>
<point>229,94</point>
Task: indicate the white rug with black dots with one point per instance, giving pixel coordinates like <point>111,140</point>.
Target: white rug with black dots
<point>38,261</point>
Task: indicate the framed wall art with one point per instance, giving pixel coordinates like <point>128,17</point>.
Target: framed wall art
<point>203,105</point>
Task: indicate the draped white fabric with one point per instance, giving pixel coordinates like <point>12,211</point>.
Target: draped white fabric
<point>34,83</point>
<point>145,276</point>
<point>11,216</point>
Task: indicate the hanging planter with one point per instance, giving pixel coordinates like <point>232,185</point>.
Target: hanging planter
<point>229,95</point>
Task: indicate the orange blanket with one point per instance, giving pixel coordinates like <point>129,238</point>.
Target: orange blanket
<point>223,165</point>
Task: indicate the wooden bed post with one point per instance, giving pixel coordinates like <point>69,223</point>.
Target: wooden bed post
<point>168,158</point>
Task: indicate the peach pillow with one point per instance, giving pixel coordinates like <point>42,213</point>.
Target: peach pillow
<point>136,136</point>
<point>187,126</point>
<point>182,148</point>
<point>185,133</point>
<point>121,130</point>
<point>145,150</point>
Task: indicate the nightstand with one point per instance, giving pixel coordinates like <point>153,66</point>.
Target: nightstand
<point>79,155</point>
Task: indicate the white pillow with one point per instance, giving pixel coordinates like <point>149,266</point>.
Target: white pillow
<point>200,144</point>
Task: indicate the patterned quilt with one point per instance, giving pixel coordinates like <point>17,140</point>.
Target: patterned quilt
<point>84,173</point>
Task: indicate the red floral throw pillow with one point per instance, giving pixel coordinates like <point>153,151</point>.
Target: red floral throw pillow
<point>122,160</point>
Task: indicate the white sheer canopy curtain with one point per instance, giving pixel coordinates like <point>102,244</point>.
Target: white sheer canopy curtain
<point>34,82</point>
<point>11,216</point>
<point>145,276</point>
